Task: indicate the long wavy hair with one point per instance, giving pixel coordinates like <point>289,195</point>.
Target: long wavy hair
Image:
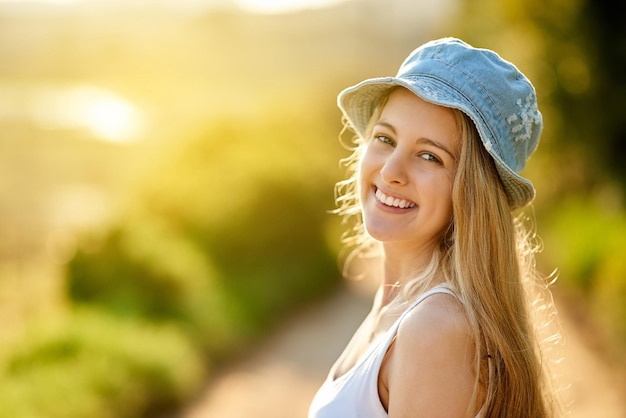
<point>487,258</point>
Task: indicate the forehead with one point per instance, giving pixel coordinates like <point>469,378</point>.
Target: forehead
<point>414,116</point>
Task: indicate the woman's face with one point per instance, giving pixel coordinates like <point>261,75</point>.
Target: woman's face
<point>407,170</point>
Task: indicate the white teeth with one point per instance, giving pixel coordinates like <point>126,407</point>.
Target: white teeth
<point>393,201</point>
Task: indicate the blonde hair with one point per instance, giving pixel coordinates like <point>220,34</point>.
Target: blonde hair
<point>487,258</point>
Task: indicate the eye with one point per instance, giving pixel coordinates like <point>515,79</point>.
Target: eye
<point>430,157</point>
<point>384,139</point>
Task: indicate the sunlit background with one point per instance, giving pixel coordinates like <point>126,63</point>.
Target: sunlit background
<point>167,169</point>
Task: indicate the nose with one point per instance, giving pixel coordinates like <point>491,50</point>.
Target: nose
<point>394,170</point>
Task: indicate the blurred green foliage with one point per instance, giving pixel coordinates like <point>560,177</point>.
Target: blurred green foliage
<point>90,364</point>
<point>586,239</point>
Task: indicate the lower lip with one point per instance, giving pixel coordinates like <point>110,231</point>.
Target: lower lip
<point>390,209</point>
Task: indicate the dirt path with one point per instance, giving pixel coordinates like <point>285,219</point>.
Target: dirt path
<point>280,379</point>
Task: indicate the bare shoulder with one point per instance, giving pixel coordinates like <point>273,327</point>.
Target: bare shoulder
<point>438,331</point>
<point>439,316</point>
<point>430,366</point>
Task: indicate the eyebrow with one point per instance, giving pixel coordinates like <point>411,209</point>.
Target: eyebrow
<point>419,140</point>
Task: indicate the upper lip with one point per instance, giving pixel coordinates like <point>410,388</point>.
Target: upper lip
<point>392,199</point>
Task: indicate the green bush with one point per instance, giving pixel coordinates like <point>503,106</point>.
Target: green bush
<point>94,365</point>
<point>581,236</point>
<point>145,270</point>
<point>586,240</point>
<point>610,291</point>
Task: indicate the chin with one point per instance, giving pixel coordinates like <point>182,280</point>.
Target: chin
<point>383,235</point>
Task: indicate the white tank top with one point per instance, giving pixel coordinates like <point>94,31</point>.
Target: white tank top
<point>354,394</point>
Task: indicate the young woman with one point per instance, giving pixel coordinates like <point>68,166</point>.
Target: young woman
<point>454,330</point>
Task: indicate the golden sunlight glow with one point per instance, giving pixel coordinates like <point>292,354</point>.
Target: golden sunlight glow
<point>107,115</point>
<point>282,6</point>
<point>112,118</point>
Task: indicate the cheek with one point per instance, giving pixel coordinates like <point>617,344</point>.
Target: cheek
<point>449,211</point>
<point>447,201</point>
<point>441,191</point>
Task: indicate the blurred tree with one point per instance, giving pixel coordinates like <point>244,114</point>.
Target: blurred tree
<point>587,51</point>
<point>607,34</point>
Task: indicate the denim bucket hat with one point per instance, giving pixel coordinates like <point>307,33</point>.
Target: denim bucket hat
<point>495,95</point>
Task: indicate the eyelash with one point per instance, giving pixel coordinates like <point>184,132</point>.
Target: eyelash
<point>388,141</point>
<point>385,140</point>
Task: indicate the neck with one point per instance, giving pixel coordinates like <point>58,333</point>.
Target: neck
<point>400,265</point>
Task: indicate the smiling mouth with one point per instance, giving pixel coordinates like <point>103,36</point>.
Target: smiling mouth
<point>393,202</point>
